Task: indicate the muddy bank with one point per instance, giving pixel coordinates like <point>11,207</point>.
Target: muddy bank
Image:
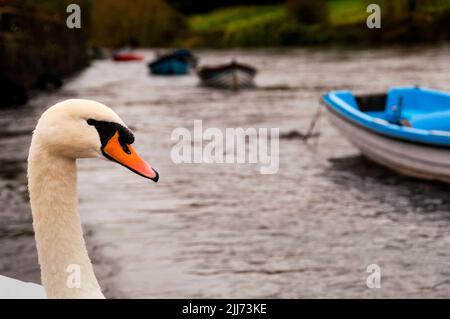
<point>37,50</point>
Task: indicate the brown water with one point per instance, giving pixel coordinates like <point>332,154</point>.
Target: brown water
<point>215,230</point>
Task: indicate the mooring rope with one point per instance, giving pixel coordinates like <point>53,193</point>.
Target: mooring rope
<point>312,124</point>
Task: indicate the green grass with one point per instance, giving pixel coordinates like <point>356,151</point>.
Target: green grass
<point>233,17</point>
<point>347,11</point>
<point>437,5</point>
<point>272,25</point>
<point>352,11</point>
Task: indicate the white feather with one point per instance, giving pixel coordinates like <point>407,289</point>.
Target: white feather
<point>16,289</point>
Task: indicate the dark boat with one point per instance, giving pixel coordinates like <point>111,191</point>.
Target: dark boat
<point>96,53</point>
<point>233,76</point>
<point>178,62</point>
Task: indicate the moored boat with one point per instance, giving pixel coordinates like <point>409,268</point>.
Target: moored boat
<point>124,55</point>
<point>233,76</point>
<point>178,62</point>
<point>406,130</point>
<point>97,53</point>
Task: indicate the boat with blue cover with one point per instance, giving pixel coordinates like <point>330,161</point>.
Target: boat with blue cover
<point>406,129</point>
<point>178,62</point>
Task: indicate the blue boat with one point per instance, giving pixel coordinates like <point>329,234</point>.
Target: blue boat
<point>407,129</point>
<point>178,62</point>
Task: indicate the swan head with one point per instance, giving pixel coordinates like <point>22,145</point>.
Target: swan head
<point>79,128</point>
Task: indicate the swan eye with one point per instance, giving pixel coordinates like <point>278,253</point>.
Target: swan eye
<point>106,130</point>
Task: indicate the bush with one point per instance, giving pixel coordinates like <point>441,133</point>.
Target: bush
<point>309,11</point>
<point>253,32</point>
<point>135,22</point>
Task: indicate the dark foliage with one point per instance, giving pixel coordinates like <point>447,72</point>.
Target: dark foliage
<point>202,6</point>
<point>36,49</point>
<point>309,12</point>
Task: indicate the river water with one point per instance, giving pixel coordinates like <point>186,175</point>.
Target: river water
<point>222,230</point>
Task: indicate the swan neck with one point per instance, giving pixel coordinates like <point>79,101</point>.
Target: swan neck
<point>66,270</point>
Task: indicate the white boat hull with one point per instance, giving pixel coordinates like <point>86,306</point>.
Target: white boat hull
<point>407,158</point>
<point>233,79</point>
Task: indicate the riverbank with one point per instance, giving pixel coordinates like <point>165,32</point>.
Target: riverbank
<point>37,50</point>
<point>273,25</point>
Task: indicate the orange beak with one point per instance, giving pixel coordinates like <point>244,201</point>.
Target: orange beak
<point>125,155</point>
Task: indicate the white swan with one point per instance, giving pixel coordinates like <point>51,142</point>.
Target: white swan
<point>66,131</point>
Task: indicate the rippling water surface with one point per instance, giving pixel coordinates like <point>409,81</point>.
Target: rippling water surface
<point>211,230</point>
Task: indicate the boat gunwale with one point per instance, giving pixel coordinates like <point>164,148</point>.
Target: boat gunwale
<point>166,58</point>
<point>207,70</point>
<point>382,127</point>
